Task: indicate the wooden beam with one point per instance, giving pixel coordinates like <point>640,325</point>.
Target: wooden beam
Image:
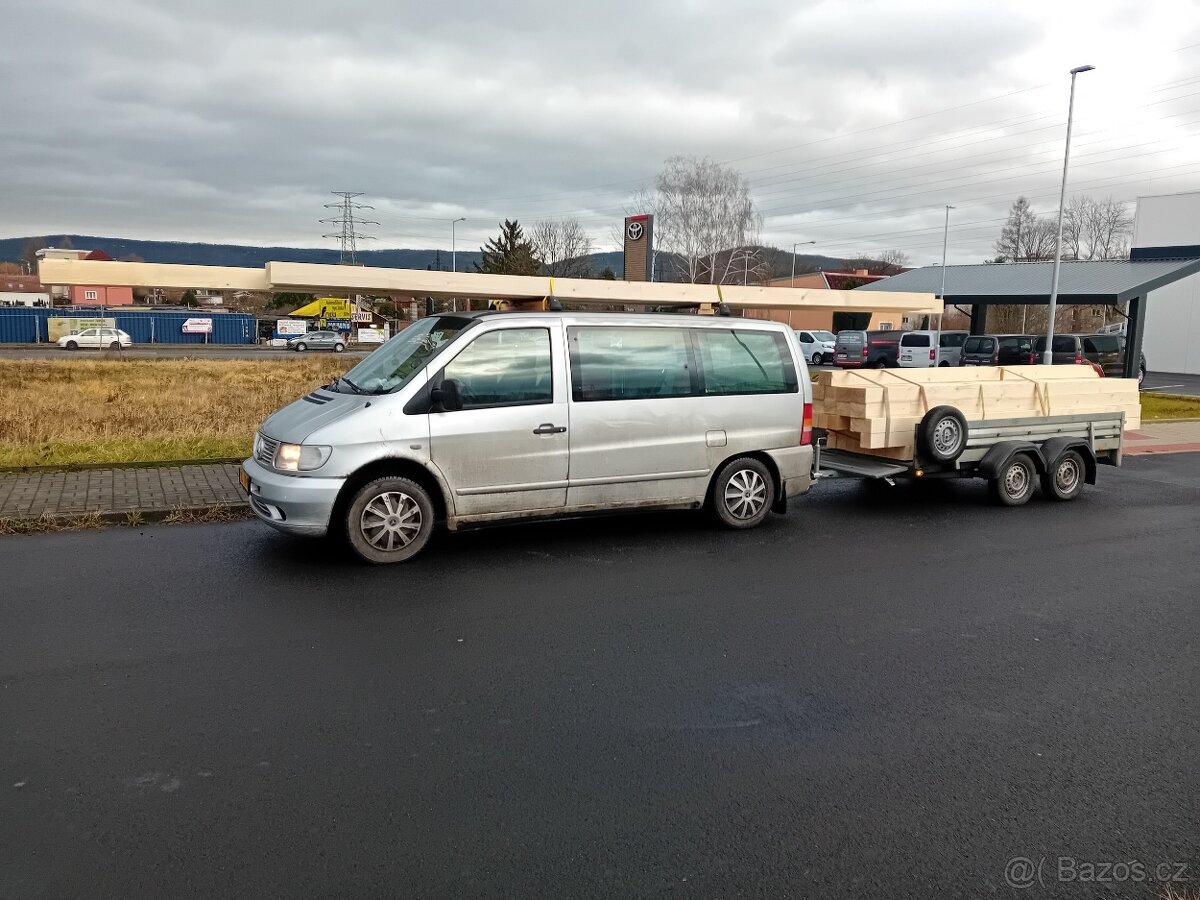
<point>313,278</point>
<point>129,274</point>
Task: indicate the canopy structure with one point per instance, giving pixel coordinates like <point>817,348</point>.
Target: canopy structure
<point>1100,282</point>
<point>311,277</point>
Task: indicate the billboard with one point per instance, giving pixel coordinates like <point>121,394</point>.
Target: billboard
<point>197,326</point>
<point>327,308</point>
<point>61,326</point>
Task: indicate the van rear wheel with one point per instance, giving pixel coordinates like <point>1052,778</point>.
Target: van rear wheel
<point>389,520</point>
<point>743,493</point>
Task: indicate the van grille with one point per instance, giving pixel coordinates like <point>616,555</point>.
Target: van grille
<point>266,450</point>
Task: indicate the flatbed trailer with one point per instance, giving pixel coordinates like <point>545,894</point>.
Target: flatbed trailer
<point>1012,455</point>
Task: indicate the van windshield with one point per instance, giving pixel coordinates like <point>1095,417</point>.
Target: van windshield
<point>394,364</point>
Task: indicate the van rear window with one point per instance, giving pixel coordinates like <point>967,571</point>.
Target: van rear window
<point>977,345</point>
<point>915,340</point>
<point>745,362</point>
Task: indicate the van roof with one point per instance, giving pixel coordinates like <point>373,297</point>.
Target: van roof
<point>570,317</point>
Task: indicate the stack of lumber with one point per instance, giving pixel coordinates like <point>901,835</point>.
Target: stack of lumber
<point>876,411</point>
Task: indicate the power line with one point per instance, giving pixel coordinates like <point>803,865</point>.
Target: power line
<point>349,235</point>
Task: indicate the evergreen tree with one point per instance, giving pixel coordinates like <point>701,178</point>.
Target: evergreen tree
<point>509,254</point>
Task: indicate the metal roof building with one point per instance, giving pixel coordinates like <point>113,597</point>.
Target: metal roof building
<point>1095,283</point>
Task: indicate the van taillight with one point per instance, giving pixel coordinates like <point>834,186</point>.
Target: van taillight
<point>1031,357</point>
<point>1078,359</point>
<point>806,426</point>
<point>996,358</point>
<point>864,351</point>
<point>932,355</point>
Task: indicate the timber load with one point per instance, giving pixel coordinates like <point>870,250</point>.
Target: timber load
<point>879,412</point>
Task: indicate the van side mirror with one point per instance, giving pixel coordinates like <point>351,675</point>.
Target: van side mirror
<point>446,397</point>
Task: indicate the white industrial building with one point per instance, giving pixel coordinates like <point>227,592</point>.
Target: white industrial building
<point>1168,227</point>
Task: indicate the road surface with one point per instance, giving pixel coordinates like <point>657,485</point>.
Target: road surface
<point>889,692</point>
<point>160,351</point>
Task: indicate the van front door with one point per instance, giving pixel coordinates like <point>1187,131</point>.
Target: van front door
<point>506,449</point>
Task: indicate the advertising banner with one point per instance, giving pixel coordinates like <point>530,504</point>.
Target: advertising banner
<point>291,327</point>
<point>198,326</point>
<point>327,308</point>
<point>60,326</point>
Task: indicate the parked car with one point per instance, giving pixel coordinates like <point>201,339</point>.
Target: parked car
<point>916,348</point>
<point>1141,375</point>
<point>107,338</point>
<point>952,344</point>
<point>318,340</point>
<point>869,349</point>
<point>1067,349</point>
<point>997,350</point>
<point>817,346</point>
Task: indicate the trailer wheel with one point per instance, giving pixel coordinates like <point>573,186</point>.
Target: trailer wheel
<point>942,435</point>
<point>743,493</point>
<point>1064,479</point>
<point>1013,486</point>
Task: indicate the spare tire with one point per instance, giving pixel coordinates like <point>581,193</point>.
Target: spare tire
<point>942,434</point>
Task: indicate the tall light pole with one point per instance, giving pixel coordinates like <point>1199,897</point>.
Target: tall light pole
<point>794,246</point>
<point>937,355</point>
<point>1048,356</point>
<point>454,255</point>
<point>454,244</point>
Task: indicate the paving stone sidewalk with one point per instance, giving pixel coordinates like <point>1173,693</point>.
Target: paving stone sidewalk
<point>31,495</point>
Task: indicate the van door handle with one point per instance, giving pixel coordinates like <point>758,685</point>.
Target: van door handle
<point>547,428</point>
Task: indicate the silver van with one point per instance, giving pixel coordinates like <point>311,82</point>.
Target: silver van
<point>481,417</point>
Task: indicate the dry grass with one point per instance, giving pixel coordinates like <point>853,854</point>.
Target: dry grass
<point>73,412</point>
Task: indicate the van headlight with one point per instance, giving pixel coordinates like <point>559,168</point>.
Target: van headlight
<point>301,457</point>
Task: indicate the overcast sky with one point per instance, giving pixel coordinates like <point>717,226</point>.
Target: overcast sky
<point>855,122</point>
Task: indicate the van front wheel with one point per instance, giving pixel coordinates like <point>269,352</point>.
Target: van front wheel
<point>389,520</point>
<point>743,493</point>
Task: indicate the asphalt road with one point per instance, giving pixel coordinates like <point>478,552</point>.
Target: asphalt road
<point>159,351</point>
<point>887,693</point>
<point>1172,384</point>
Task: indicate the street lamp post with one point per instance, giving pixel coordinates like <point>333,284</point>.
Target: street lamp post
<point>794,246</point>
<point>937,354</point>
<point>454,250</point>
<point>1048,356</point>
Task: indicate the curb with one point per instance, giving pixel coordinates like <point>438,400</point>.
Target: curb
<point>138,464</point>
<point>181,515</point>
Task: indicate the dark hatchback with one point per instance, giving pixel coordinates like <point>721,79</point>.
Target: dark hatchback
<point>997,350</point>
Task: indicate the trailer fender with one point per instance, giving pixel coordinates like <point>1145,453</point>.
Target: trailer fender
<point>1056,447</point>
<point>997,458</point>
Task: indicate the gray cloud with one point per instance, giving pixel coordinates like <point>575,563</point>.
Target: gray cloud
<point>232,121</point>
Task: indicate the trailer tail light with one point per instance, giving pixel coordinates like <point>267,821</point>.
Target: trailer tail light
<point>806,426</point>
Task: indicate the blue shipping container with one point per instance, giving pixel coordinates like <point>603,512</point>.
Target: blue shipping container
<point>21,325</point>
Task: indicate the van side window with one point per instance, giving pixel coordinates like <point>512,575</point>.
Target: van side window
<point>507,367</point>
<point>744,362</point>
<point>631,363</point>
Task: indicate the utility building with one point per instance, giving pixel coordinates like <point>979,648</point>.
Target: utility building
<point>1168,227</point>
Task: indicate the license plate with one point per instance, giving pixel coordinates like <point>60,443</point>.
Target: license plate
<point>245,480</point>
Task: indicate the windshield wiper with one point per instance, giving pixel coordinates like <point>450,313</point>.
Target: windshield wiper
<point>354,387</point>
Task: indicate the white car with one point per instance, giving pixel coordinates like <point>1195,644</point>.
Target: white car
<point>110,338</point>
<point>817,346</point>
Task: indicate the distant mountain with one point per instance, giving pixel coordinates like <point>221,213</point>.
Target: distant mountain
<point>192,253</point>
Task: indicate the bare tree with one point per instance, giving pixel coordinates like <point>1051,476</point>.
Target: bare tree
<point>705,222</point>
<point>1025,235</point>
<point>563,248</point>
<point>889,262</point>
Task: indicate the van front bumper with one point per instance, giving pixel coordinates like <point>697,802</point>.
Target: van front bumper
<point>291,503</point>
